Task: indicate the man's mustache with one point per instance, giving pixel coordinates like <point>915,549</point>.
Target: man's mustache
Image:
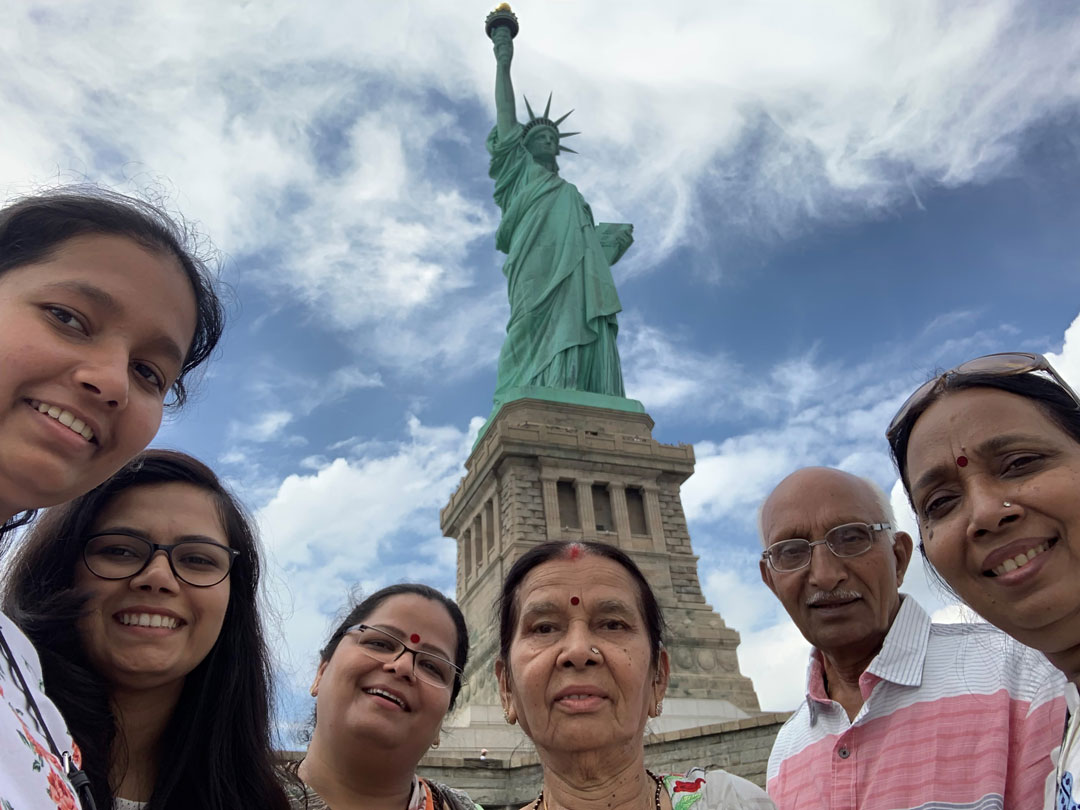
<point>838,595</point>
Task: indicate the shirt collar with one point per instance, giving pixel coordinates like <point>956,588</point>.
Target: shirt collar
<point>899,661</point>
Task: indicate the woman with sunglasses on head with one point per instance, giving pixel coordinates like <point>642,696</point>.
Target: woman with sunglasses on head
<point>105,309</point>
<point>989,454</point>
<point>387,677</point>
<point>141,598</point>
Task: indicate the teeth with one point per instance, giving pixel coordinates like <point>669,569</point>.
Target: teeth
<point>1020,560</point>
<point>387,695</point>
<point>65,418</point>
<point>149,620</point>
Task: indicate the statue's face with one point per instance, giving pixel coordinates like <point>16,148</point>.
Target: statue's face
<point>543,142</point>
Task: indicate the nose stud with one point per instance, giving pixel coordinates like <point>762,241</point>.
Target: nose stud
<point>1006,504</point>
<point>594,650</point>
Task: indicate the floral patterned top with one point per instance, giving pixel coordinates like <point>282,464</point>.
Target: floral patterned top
<point>698,789</point>
<point>31,777</point>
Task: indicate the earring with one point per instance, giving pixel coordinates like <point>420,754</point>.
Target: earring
<point>436,743</point>
<point>659,707</point>
<point>506,716</point>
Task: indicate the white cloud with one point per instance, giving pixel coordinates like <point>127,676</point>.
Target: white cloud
<point>354,522</point>
<point>1067,363</point>
<point>262,428</point>
<point>310,138</point>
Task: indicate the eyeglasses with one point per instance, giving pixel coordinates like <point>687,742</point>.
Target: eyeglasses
<point>386,647</point>
<point>1005,364</point>
<point>848,540</point>
<point>122,555</point>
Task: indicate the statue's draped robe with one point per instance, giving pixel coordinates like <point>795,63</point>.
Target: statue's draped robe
<point>562,298</point>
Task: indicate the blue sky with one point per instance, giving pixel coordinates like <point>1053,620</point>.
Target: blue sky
<point>830,201</point>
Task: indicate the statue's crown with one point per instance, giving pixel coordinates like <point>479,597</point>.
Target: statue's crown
<point>545,121</point>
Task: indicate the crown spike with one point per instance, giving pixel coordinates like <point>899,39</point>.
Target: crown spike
<point>532,115</point>
<point>568,134</point>
<point>547,109</point>
<point>567,148</point>
<point>563,118</point>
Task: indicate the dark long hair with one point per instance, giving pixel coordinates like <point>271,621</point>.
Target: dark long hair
<point>560,550</point>
<point>33,228</point>
<point>365,608</point>
<point>215,752</point>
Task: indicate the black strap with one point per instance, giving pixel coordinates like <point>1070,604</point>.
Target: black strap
<point>79,780</point>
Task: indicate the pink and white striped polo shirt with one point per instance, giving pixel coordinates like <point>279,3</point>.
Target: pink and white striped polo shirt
<point>955,716</point>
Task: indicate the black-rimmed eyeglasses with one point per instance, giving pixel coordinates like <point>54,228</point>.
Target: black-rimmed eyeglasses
<point>386,647</point>
<point>848,540</point>
<point>121,555</point>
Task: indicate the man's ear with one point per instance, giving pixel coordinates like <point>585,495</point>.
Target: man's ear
<point>506,695</point>
<point>318,677</point>
<point>902,548</point>
<point>766,576</point>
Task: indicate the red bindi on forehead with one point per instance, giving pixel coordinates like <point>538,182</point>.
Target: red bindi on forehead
<point>575,552</point>
<point>575,600</point>
<point>415,638</point>
<point>961,461</point>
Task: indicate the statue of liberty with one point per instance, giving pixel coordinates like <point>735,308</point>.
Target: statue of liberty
<point>563,302</point>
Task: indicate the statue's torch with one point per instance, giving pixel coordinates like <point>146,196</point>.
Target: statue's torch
<point>502,17</point>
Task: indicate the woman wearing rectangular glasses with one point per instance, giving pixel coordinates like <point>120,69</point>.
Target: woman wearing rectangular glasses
<point>141,598</point>
<point>388,675</point>
<point>989,454</point>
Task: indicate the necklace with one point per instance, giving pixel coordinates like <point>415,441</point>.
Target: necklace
<point>542,802</point>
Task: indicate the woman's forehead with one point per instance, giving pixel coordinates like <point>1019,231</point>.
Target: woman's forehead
<point>588,573</point>
<point>408,614</point>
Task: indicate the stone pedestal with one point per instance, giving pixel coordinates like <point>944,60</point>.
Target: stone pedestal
<point>547,470</point>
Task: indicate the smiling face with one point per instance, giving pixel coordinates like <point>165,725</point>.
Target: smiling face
<point>91,339</point>
<point>1016,565</point>
<point>568,698</point>
<point>844,606</point>
<point>184,621</point>
<point>369,705</point>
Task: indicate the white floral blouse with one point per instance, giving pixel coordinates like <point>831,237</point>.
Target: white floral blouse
<point>31,777</point>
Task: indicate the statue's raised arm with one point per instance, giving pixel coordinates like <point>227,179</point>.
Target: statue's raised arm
<point>505,109</point>
<point>563,303</point>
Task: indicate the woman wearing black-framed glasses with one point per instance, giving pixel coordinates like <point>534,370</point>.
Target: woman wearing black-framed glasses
<point>989,454</point>
<point>141,598</point>
<point>388,675</point>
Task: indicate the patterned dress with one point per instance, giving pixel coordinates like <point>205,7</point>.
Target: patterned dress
<point>31,777</point>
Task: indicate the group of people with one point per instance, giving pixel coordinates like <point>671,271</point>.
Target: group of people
<point>135,669</point>
<point>901,712</point>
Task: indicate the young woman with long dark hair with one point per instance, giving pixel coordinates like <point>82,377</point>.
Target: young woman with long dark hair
<point>141,598</point>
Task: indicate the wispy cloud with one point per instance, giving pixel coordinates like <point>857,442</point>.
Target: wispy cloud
<point>354,521</point>
<point>311,143</point>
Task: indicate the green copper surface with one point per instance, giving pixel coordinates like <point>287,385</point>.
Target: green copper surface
<point>563,303</point>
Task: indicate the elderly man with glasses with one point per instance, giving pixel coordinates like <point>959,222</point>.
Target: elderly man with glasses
<point>899,712</point>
